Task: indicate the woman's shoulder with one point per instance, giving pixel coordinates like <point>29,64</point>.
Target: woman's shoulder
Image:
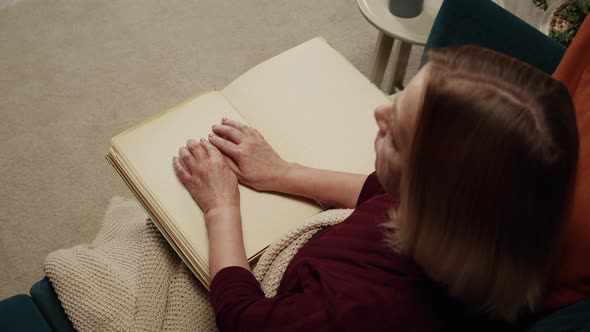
<point>416,304</point>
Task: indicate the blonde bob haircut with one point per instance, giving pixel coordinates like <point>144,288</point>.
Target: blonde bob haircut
<point>488,178</point>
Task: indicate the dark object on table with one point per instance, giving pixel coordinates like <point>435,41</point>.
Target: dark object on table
<point>541,4</point>
<point>406,8</point>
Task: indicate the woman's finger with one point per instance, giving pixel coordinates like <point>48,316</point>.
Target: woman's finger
<point>226,147</point>
<point>187,159</point>
<point>212,151</point>
<point>196,150</point>
<point>232,123</point>
<point>182,174</point>
<point>215,153</point>
<point>228,132</point>
<point>181,164</point>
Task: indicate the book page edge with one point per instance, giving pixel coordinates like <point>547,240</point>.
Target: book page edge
<point>146,206</point>
<point>171,109</point>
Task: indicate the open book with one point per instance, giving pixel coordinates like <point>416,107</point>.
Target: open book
<point>309,103</point>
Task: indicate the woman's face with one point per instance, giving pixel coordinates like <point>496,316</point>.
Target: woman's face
<point>396,122</point>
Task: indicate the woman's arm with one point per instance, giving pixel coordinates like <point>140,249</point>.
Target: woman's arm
<point>239,304</point>
<point>226,243</point>
<point>259,166</point>
<point>331,188</point>
<point>213,185</point>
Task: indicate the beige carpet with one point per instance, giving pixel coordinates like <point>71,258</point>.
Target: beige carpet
<point>75,73</point>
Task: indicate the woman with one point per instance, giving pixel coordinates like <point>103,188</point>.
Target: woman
<point>457,229</point>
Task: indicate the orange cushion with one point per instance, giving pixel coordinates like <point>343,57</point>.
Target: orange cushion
<point>571,282</point>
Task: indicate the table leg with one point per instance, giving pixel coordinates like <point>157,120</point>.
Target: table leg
<point>381,57</point>
<point>402,55</point>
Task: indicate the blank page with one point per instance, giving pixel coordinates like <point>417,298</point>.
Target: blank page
<point>313,106</point>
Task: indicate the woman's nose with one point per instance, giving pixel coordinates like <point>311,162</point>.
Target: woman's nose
<point>382,116</point>
<point>382,112</point>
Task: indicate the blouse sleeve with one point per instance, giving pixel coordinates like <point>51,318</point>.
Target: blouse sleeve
<point>239,304</point>
<point>371,188</point>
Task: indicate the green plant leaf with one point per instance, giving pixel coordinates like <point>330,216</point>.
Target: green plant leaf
<point>583,5</point>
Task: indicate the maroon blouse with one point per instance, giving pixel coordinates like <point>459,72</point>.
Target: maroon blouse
<point>345,278</point>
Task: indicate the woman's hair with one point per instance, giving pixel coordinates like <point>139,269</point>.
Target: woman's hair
<point>488,179</point>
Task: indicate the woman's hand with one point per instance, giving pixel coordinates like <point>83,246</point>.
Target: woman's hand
<point>207,176</point>
<point>249,155</point>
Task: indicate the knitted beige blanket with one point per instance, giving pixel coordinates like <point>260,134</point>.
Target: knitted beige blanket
<point>129,279</point>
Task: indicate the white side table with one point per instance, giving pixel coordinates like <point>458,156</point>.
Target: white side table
<point>408,32</point>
